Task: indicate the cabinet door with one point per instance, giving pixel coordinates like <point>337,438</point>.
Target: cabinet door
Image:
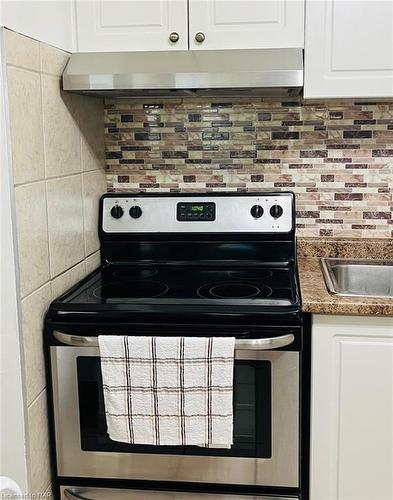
<point>111,25</point>
<point>247,24</point>
<point>352,408</point>
<point>349,48</point>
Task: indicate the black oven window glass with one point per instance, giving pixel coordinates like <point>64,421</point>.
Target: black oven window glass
<point>251,406</point>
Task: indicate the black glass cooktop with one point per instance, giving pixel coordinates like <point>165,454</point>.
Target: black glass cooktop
<point>127,284</point>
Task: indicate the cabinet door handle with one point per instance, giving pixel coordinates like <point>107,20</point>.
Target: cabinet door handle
<point>200,37</point>
<point>174,37</point>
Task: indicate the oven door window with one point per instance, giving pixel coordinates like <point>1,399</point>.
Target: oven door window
<point>251,408</point>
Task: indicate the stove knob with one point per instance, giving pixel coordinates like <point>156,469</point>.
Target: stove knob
<point>256,211</point>
<point>276,211</point>
<point>135,212</point>
<point>117,212</point>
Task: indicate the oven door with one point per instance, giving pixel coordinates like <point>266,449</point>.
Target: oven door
<point>266,426</point>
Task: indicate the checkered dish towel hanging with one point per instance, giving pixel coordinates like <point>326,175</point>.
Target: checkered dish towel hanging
<point>168,390</point>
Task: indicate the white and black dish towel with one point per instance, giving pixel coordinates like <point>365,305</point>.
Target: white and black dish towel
<point>168,390</point>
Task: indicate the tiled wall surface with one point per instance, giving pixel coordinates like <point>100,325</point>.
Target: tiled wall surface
<point>336,156</point>
<point>58,170</point>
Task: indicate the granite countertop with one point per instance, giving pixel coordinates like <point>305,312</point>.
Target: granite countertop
<point>316,298</point>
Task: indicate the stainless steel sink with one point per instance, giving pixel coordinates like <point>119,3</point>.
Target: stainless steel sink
<point>360,278</point>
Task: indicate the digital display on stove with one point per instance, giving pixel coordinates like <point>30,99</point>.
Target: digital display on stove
<point>196,212</point>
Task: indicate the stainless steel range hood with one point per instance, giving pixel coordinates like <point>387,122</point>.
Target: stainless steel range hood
<point>258,72</point>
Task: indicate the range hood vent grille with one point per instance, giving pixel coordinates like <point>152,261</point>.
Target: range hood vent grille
<point>259,73</point>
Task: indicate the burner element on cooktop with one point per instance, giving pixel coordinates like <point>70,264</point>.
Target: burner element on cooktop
<point>136,290</point>
<point>234,290</point>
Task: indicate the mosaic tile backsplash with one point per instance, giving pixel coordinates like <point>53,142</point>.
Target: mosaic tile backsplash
<point>336,156</point>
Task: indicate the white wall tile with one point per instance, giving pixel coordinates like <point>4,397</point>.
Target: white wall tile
<point>27,140</point>
<point>65,223</point>
<point>92,262</point>
<point>49,492</point>
<point>34,308</point>
<point>94,185</point>
<point>66,280</point>
<point>21,51</point>
<point>91,123</point>
<point>61,132</point>
<point>56,136</point>
<point>39,444</point>
<point>32,233</point>
<point>53,60</point>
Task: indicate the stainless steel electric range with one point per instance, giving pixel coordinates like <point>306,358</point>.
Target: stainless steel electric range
<point>187,264</point>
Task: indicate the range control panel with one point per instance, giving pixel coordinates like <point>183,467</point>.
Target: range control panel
<point>248,213</point>
<point>202,211</point>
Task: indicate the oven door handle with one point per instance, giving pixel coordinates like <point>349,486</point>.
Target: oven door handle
<point>71,495</point>
<point>264,344</point>
<point>240,344</point>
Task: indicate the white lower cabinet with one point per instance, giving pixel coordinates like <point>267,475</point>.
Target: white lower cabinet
<point>352,408</point>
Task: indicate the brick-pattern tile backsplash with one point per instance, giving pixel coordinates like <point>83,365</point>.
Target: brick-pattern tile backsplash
<point>337,156</point>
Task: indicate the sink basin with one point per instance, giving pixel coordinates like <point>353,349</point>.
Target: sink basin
<point>359,278</point>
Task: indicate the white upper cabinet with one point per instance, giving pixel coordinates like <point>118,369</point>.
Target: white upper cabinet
<point>110,25</point>
<point>246,24</point>
<point>349,48</point>
<point>50,22</point>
